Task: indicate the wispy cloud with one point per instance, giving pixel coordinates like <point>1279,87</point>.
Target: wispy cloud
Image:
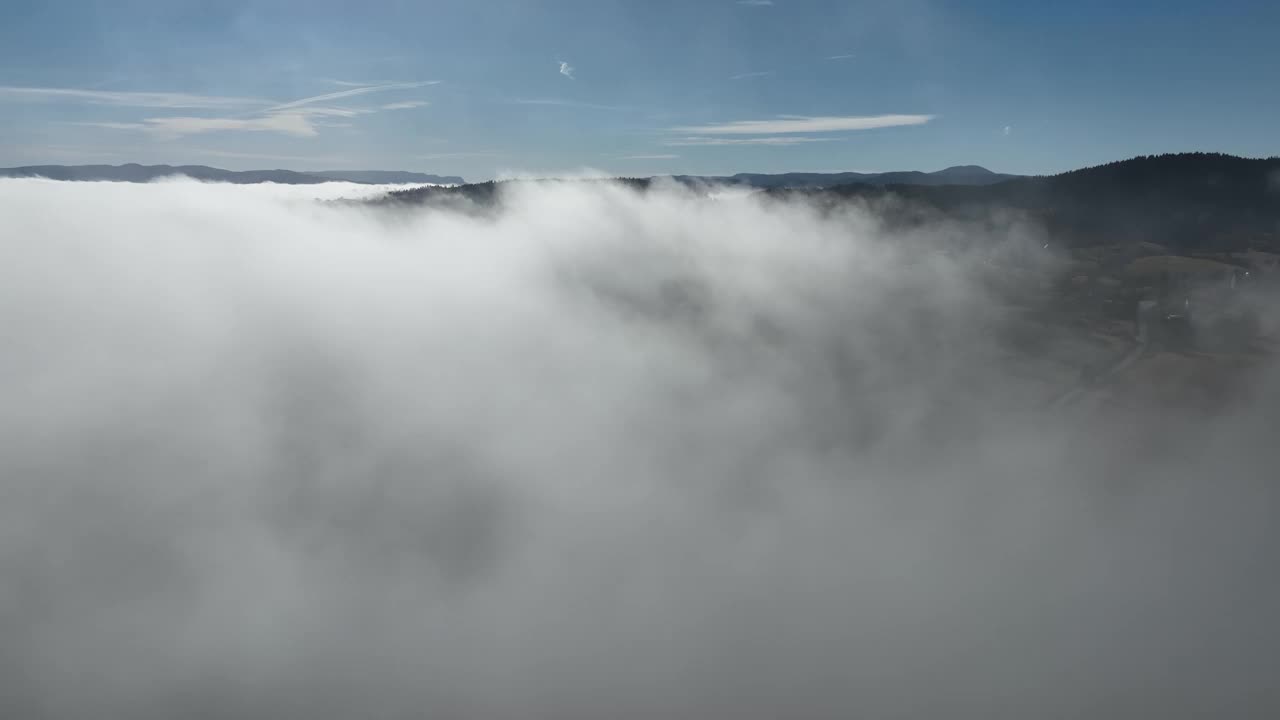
<point>350,93</point>
<point>1008,129</point>
<point>299,118</point>
<point>648,157</point>
<point>173,127</point>
<point>566,70</point>
<point>476,153</point>
<point>839,57</point>
<point>129,99</point>
<point>744,76</point>
<point>778,141</point>
<point>802,124</point>
<point>330,111</point>
<point>110,125</point>
<point>755,3</point>
<point>363,83</point>
<point>406,105</point>
<point>168,128</point>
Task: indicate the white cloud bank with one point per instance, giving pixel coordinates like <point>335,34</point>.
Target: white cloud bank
<point>590,454</point>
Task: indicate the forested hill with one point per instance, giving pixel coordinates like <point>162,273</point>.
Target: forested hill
<point>1190,201</point>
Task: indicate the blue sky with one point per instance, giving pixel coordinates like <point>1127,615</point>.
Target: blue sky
<point>483,88</point>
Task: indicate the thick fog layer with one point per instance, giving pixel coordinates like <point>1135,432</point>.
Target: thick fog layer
<point>596,454</point>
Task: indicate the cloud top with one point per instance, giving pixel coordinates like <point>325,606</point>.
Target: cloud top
<point>594,452</point>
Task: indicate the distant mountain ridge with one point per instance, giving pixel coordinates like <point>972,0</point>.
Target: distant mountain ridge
<point>965,176</point>
<point>956,175</point>
<point>1184,201</point>
<point>134,172</point>
<point>388,177</point>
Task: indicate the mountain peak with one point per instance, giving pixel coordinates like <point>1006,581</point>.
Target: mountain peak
<point>966,170</point>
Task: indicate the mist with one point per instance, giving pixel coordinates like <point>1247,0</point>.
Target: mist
<point>597,453</point>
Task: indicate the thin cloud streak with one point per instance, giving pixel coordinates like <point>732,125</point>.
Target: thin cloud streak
<point>756,3</point>
<point>569,103</point>
<point>713,141</point>
<point>839,57</point>
<point>479,153</point>
<point>330,112</point>
<point>128,99</point>
<point>350,93</point>
<point>364,83</point>
<point>649,157</point>
<point>169,128</point>
<point>407,105</point>
<point>110,125</point>
<point>286,123</point>
<point>290,118</point>
<point>803,124</point>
